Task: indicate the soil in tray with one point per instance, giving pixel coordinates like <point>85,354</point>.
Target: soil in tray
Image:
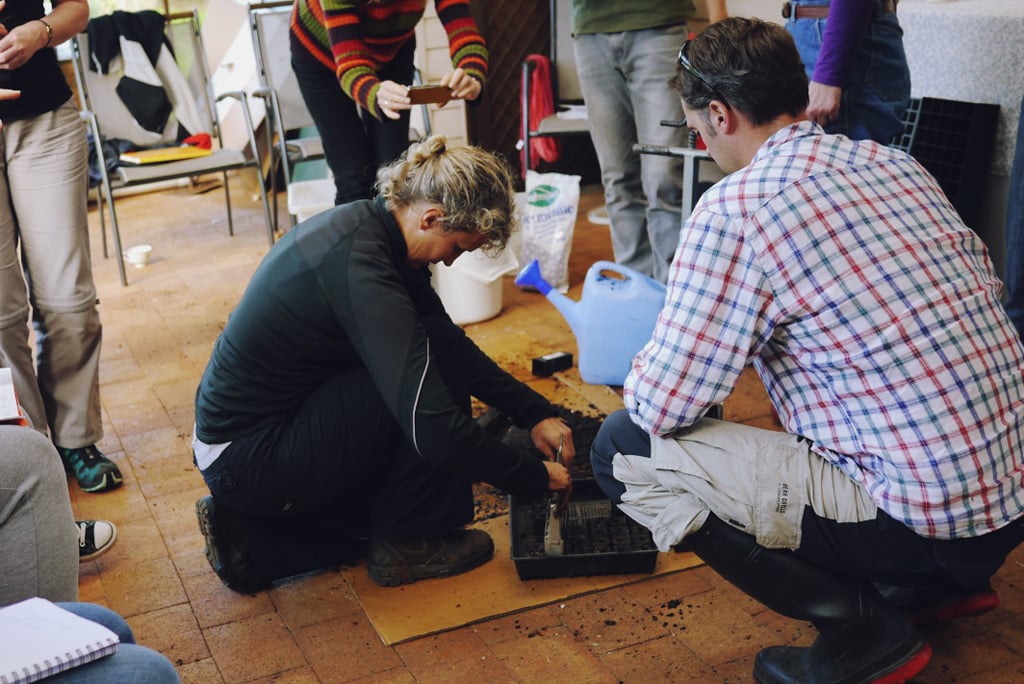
<point>491,502</point>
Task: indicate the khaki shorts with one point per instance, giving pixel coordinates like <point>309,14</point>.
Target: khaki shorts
<point>757,480</point>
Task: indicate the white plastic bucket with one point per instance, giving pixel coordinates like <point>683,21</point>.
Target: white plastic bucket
<point>310,197</point>
<point>471,288</point>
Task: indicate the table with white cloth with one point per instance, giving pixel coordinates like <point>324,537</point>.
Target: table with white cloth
<point>972,51</point>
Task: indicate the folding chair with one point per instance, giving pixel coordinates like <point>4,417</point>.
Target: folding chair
<point>193,101</point>
<point>286,110</point>
<point>565,87</point>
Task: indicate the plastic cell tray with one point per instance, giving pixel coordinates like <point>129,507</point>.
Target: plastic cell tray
<point>954,141</point>
<point>598,539</point>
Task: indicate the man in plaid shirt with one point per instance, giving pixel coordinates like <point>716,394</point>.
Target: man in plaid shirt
<point>871,313</point>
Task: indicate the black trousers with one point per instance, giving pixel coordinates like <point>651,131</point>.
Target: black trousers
<point>355,142</point>
<point>340,465</point>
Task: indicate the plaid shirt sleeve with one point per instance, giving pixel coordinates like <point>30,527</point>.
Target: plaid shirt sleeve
<point>716,319</point>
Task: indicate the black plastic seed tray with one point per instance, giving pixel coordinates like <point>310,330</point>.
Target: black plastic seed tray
<point>598,539</point>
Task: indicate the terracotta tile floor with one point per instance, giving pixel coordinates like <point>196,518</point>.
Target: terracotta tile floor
<point>687,627</point>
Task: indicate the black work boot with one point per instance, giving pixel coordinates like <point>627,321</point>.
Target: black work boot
<point>226,548</point>
<point>850,653</point>
<point>861,637</point>
<point>391,564</point>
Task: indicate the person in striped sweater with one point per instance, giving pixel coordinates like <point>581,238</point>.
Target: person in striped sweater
<point>353,62</point>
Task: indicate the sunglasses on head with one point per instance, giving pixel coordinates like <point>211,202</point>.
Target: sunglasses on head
<point>684,62</point>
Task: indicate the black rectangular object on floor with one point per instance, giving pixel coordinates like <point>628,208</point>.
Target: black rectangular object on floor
<point>598,538</point>
<point>953,140</point>
<point>543,366</point>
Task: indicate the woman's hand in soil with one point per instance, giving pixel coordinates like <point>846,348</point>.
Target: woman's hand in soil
<point>551,434</point>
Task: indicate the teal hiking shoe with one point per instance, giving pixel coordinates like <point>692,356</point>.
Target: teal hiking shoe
<point>94,471</point>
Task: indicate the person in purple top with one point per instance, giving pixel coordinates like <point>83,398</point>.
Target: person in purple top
<point>853,53</point>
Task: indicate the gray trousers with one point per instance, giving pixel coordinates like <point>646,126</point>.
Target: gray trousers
<point>624,78</point>
<point>45,268</point>
<point>38,539</point>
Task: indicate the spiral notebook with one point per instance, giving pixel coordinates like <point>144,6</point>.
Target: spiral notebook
<point>9,411</point>
<point>39,639</point>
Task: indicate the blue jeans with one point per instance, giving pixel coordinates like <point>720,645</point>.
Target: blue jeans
<point>1015,235</point>
<point>355,142</point>
<point>624,78</point>
<point>131,663</point>
<point>878,92</point>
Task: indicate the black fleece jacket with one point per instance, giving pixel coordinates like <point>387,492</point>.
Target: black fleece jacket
<point>336,292</point>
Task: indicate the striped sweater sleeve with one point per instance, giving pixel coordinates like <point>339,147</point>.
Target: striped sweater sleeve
<point>354,38</point>
<point>467,46</point>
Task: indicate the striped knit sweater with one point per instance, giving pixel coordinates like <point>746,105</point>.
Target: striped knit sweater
<point>355,38</point>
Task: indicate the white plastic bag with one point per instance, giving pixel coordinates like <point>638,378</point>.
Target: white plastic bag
<point>552,200</point>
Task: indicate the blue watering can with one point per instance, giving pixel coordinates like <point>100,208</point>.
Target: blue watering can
<point>612,321</point>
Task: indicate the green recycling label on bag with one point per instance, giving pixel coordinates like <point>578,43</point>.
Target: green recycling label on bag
<point>542,195</point>
<point>548,221</point>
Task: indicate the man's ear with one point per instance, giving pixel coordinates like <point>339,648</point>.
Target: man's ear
<point>722,117</point>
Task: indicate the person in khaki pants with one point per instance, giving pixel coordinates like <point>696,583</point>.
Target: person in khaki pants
<point>95,537</point>
<point>45,265</point>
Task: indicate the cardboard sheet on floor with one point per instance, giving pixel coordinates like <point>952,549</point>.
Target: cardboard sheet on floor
<point>494,589</point>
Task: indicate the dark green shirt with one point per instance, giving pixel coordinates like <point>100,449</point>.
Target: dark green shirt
<point>614,16</point>
<point>336,293</point>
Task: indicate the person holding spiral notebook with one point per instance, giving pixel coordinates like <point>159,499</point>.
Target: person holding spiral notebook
<point>38,558</point>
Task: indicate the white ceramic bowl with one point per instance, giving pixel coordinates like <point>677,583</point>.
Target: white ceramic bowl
<point>138,256</point>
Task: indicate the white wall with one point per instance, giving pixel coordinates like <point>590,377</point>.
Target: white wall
<point>769,10</point>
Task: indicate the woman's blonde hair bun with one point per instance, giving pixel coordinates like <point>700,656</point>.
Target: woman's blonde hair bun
<point>474,187</point>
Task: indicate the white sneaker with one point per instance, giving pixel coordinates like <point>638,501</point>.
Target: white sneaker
<point>95,537</point>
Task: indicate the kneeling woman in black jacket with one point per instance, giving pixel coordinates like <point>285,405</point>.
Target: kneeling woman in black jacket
<point>336,404</point>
